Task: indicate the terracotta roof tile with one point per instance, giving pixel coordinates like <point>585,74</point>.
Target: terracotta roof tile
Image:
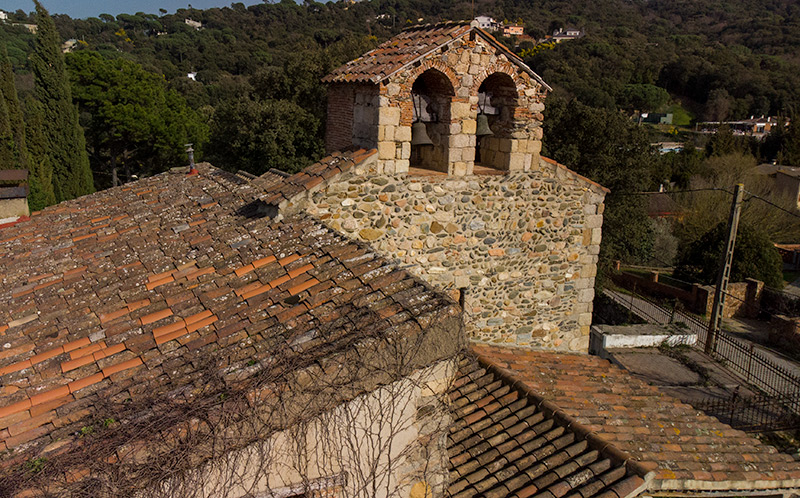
<point>654,428</point>
<point>504,442</point>
<point>101,332</point>
<point>278,191</point>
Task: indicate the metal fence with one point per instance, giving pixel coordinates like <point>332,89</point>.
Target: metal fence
<point>757,370</point>
<point>762,413</point>
<point>738,356</point>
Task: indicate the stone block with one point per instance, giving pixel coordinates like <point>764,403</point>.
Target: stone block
<point>596,236</point>
<point>469,126</point>
<point>460,140</point>
<point>388,133</point>
<point>402,133</point>
<point>594,221</point>
<point>389,116</point>
<point>516,161</point>
<point>394,89</point>
<point>401,166</point>
<point>459,168</point>
<point>459,110</point>
<point>386,150</point>
<point>589,271</point>
<point>405,151</point>
<point>468,154</point>
<point>586,295</point>
<point>585,319</point>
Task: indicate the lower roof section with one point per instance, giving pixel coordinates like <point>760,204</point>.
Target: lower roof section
<point>690,451</point>
<point>505,441</point>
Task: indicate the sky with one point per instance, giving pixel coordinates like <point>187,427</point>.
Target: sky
<point>92,8</point>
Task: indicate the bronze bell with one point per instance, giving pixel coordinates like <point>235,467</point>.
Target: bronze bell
<point>419,134</point>
<point>482,126</point>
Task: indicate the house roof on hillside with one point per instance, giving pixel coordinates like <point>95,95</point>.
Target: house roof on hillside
<point>505,440</point>
<point>772,169</point>
<point>412,45</point>
<point>688,449</point>
<point>141,294</point>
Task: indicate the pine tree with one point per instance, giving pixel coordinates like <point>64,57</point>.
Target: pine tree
<point>65,143</point>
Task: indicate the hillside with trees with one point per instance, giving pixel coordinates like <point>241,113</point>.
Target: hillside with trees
<point>255,100</point>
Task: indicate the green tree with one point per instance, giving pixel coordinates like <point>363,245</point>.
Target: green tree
<point>256,135</point>
<point>9,158</point>
<point>754,256</point>
<point>42,192</point>
<point>12,131</point>
<point>611,150</point>
<point>39,181</point>
<point>132,120</point>
<point>65,142</point>
<point>646,98</point>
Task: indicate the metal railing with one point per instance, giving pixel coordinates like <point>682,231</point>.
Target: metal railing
<point>738,356</point>
<point>761,413</point>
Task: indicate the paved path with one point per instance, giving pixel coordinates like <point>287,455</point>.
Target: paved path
<point>735,348</point>
<point>793,288</point>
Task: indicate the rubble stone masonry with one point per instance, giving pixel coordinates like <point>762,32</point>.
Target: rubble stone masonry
<point>521,246</point>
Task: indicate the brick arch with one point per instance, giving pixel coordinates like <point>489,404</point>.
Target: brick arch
<point>438,65</point>
<point>498,67</point>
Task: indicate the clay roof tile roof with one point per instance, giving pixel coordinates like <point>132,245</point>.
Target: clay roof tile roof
<point>125,296</point>
<point>505,440</point>
<point>410,46</point>
<point>688,449</point>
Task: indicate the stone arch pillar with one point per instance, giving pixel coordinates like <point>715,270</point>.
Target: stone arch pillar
<point>514,118</point>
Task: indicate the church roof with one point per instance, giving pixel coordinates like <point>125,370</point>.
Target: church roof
<point>412,45</point>
<point>172,290</point>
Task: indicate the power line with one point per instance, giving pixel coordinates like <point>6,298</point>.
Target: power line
<point>754,196</point>
<point>709,189</point>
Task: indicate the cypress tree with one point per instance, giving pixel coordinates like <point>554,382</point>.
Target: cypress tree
<point>66,145</point>
<point>41,177</point>
<point>8,150</point>
<point>16,123</point>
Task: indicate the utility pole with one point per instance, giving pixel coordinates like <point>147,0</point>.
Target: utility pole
<point>726,261</point>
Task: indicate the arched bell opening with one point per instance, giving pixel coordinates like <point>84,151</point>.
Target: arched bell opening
<point>431,95</point>
<point>497,101</point>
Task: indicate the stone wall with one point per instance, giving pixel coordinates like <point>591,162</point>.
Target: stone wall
<point>521,247</point>
<point>785,332</point>
<point>744,299</point>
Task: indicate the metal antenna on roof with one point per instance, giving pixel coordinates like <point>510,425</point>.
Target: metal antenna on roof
<point>192,168</point>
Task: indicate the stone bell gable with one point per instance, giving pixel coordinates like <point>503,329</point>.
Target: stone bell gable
<point>444,76</point>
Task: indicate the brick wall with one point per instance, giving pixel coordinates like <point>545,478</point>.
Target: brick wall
<point>339,123</point>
